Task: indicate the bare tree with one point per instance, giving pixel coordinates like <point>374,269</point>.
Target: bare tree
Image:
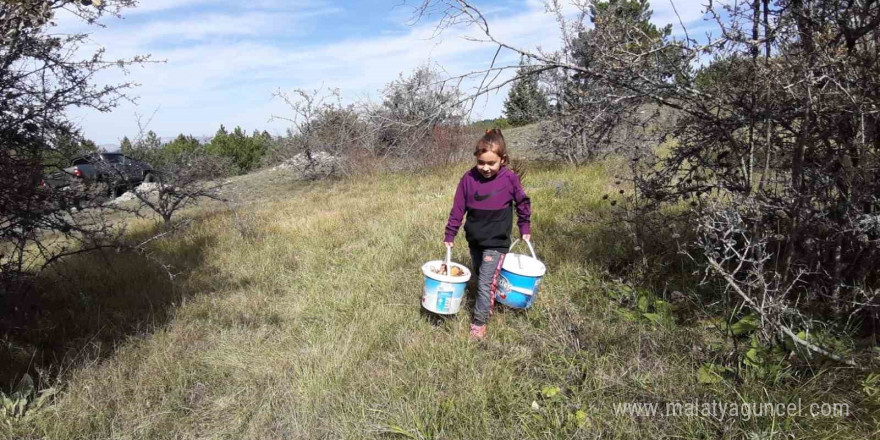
<point>323,129</point>
<point>420,114</point>
<point>41,75</point>
<point>178,181</point>
<point>412,108</point>
<point>182,183</point>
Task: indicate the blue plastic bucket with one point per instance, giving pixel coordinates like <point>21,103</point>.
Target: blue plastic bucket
<point>443,294</point>
<point>519,279</point>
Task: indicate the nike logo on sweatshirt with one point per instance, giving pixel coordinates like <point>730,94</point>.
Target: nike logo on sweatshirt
<point>480,197</point>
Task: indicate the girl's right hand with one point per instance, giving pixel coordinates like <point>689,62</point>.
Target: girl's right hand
<point>448,244</point>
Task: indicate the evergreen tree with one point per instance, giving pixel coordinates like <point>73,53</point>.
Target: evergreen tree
<point>526,102</point>
<point>245,152</point>
<point>150,142</point>
<point>148,149</point>
<point>67,145</point>
<point>180,146</point>
<point>125,147</point>
<point>589,106</point>
<point>219,145</point>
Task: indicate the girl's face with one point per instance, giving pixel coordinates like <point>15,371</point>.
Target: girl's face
<point>488,164</point>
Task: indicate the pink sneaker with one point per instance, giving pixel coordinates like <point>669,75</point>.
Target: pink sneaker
<point>478,332</point>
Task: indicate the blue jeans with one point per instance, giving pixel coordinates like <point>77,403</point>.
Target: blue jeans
<point>486,265</point>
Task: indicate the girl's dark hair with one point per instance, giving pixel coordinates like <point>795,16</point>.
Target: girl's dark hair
<point>493,141</point>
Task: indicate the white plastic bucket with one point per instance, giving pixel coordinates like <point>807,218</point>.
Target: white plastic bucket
<point>519,279</point>
<point>443,294</point>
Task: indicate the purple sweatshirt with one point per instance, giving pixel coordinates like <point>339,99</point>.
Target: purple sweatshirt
<point>488,204</point>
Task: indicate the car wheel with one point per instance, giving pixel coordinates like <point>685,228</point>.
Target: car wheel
<point>149,178</point>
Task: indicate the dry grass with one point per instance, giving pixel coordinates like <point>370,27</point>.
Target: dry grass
<point>297,316</point>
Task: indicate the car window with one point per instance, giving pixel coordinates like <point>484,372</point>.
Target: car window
<point>81,161</point>
<point>113,158</point>
<point>128,160</point>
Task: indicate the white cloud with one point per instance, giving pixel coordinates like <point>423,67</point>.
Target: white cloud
<point>209,25</point>
<point>153,6</point>
<point>223,67</point>
<point>150,6</point>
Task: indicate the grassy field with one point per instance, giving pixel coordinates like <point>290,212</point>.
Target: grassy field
<point>296,315</point>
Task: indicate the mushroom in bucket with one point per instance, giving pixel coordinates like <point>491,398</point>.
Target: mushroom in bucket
<point>444,287</point>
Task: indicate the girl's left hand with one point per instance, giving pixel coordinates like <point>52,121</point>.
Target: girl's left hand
<point>527,237</point>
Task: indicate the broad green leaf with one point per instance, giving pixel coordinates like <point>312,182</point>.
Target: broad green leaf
<point>706,374</point>
<point>653,317</point>
<point>752,355</point>
<point>662,307</point>
<point>753,359</point>
<point>549,392</point>
<point>628,315</point>
<point>748,324</point>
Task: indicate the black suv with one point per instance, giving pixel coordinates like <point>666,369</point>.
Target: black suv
<point>116,171</point>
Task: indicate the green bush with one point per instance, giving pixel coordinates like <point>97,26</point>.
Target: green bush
<point>246,152</point>
<point>488,124</point>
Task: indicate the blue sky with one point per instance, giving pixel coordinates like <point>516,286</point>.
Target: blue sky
<point>223,59</point>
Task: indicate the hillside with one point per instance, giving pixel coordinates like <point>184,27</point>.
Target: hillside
<point>297,316</point>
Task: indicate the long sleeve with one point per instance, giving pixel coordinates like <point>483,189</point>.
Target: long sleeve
<point>523,206</point>
<point>456,214</point>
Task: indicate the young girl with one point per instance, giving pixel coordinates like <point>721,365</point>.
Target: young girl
<point>487,194</point>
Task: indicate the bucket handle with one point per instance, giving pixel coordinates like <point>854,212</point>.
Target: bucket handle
<point>448,259</point>
<point>528,242</point>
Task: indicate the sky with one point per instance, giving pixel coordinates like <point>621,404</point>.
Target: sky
<point>220,61</point>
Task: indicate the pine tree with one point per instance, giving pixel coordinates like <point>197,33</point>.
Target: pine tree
<point>179,147</point>
<point>125,147</point>
<point>245,152</point>
<point>526,102</point>
<point>67,145</point>
<point>148,148</point>
<point>219,145</point>
<point>150,142</point>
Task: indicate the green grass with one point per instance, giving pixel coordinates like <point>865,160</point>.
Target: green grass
<point>298,316</point>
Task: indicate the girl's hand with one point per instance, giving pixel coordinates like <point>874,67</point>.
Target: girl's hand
<point>527,237</point>
<point>448,244</point>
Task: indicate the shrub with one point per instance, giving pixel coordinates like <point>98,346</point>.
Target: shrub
<point>411,108</point>
<point>245,152</point>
